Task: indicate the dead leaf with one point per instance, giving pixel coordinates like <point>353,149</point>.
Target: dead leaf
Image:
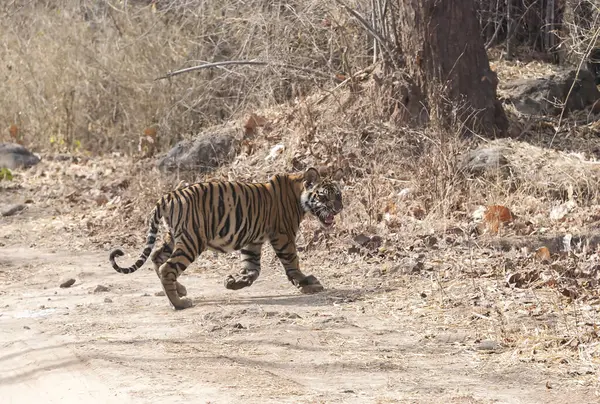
<point>417,212</point>
<point>542,254</point>
<point>497,216</point>
<point>147,144</point>
<point>13,130</point>
<point>101,200</point>
<point>253,122</point>
<point>340,77</point>
<point>522,279</point>
<point>391,208</point>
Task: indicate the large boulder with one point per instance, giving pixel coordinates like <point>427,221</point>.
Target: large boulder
<point>14,156</point>
<point>545,96</point>
<point>201,154</point>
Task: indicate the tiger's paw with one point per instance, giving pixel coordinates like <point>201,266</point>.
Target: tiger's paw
<point>182,304</point>
<point>235,284</point>
<point>245,279</point>
<point>310,284</point>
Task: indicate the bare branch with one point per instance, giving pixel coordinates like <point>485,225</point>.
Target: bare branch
<point>241,62</point>
<point>211,65</point>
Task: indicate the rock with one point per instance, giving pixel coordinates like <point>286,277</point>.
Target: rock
<point>487,345</point>
<point>67,283</point>
<point>160,293</point>
<point>14,155</point>
<point>361,239</point>
<point>593,64</point>
<point>544,96</point>
<point>202,154</point>
<point>107,300</point>
<point>458,337</point>
<point>101,288</point>
<point>486,160</point>
<point>14,209</point>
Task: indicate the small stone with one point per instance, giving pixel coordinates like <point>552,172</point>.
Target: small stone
<point>67,283</point>
<point>42,307</point>
<point>160,293</point>
<point>26,327</point>
<point>101,288</point>
<point>238,326</point>
<point>107,300</point>
<point>487,345</point>
<point>361,239</point>
<point>452,337</point>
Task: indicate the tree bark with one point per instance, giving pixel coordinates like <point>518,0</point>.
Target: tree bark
<point>445,55</point>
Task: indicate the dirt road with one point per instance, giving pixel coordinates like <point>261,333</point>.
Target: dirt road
<point>265,344</point>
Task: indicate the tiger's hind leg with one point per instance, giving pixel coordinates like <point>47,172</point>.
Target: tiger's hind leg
<point>170,271</point>
<point>250,268</point>
<point>160,255</point>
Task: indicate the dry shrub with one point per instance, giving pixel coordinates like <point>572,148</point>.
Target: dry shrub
<point>551,173</point>
<point>82,73</point>
<point>580,32</point>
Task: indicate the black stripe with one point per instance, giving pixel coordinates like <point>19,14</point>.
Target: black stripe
<point>225,229</point>
<point>221,206</point>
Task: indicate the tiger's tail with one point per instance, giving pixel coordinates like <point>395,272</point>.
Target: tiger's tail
<point>150,241</point>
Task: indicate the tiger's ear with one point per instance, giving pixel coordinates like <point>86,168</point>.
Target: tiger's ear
<point>338,175</point>
<point>311,177</point>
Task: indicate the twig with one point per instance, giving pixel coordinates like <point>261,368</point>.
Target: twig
<point>587,54</point>
<point>241,62</point>
<point>367,70</point>
<point>370,30</point>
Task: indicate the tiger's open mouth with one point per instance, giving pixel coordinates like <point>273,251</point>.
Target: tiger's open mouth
<point>327,220</point>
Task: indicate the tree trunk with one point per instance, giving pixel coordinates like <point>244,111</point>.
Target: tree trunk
<point>445,55</point>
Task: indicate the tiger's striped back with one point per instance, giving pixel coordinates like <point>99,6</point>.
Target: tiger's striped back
<point>225,216</point>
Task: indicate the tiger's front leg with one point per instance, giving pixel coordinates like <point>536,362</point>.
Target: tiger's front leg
<point>288,255</point>
<point>250,268</point>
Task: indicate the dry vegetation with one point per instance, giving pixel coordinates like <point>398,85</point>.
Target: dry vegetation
<point>82,73</point>
<point>79,77</point>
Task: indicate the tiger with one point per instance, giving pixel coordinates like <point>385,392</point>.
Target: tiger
<point>227,216</point>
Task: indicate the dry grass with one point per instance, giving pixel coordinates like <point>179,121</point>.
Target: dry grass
<point>81,74</point>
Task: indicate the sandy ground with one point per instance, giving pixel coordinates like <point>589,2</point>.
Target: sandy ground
<point>357,342</point>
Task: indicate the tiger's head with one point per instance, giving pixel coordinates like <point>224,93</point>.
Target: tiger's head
<point>322,197</point>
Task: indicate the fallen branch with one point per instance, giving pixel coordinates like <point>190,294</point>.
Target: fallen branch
<point>242,62</point>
